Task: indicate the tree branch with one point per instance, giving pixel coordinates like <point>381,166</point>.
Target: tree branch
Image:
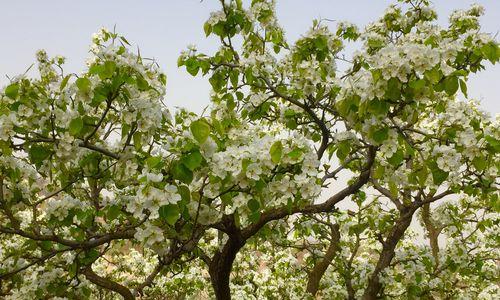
<point>107,284</point>
<point>320,267</point>
<point>278,213</point>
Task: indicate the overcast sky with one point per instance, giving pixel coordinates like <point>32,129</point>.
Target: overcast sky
<point>163,28</point>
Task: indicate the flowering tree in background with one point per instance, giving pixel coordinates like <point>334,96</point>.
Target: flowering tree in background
<point>301,180</point>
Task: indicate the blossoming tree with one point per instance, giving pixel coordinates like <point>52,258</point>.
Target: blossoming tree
<point>302,180</point>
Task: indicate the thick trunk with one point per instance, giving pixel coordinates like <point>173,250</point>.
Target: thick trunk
<point>388,250</point>
<point>221,265</point>
<point>320,268</point>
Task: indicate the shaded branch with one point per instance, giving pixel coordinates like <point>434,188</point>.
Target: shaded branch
<point>320,267</point>
<point>107,284</point>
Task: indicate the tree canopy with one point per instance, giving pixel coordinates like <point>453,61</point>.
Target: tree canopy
<point>303,179</point>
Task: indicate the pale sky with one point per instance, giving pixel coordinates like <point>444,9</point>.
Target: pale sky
<point>163,28</point>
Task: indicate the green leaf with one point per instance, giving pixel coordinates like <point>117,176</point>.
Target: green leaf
<point>121,50</point>
<point>163,78</point>
<point>226,198</point>
<point>254,217</point>
<point>47,245</point>
<point>181,172</point>
<point>358,228</point>
<point>343,149</point>
<point>479,163</point>
<point>39,153</point>
<point>438,175</point>
<point>124,40</point>
<point>244,164</point>
<point>180,61</point>
<point>376,75</point>
<point>451,85</point>
<point>5,148</point>
<point>380,135</point>
<point>397,158</point>
<point>422,175</point>
<point>378,107</point>
<point>83,84</point>
<point>276,152</point>
<point>233,76</point>
<point>418,85</point>
<point>253,205</point>
<point>142,83</point>
<point>95,69</point>
<point>90,256</point>
<point>185,193</point>
<point>207,28</point>
<point>192,160</point>
<point>433,75</point>
<point>379,172</point>
<point>113,212</point>
<point>64,82</point>
<point>97,99</point>
<point>137,137</point>
<point>153,161</point>
<point>493,142</point>
<point>75,126</point>
<point>393,188</point>
<point>12,91</point>
<point>463,87</point>
<point>169,213</point>
<point>192,66</point>
<point>217,81</point>
<point>393,91</point>
<point>200,129</point>
<point>107,70</point>
<point>490,51</point>
<point>295,153</point>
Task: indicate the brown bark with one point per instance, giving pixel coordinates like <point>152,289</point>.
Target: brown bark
<point>108,284</point>
<point>87,244</point>
<point>388,250</point>
<point>319,268</point>
<point>221,264</point>
<point>220,268</point>
<point>351,293</point>
<point>432,230</point>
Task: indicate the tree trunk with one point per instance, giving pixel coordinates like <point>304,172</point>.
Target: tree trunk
<point>388,251</point>
<point>320,268</point>
<point>221,265</point>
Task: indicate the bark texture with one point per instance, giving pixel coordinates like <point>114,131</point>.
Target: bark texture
<point>319,268</point>
<point>388,250</point>
<point>108,284</point>
<point>221,264</point>
<point>432,230</point>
